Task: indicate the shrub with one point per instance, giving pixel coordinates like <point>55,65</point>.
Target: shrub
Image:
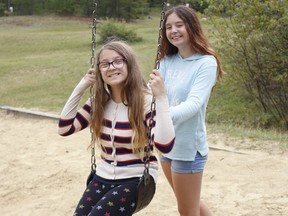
<point>253,41</point>
<point>108,30</point>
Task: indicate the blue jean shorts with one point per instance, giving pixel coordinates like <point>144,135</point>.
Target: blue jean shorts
<point>195,166</point>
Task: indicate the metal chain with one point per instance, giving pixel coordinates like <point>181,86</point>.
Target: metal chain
<point>149,145</point>
<point>157,60</point>
<point>92,88</point>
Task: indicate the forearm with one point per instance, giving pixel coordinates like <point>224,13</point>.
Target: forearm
<point>71,119</point>
<point>163,131</point>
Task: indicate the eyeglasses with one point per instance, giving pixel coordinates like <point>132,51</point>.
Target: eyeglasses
<point>117,64</point>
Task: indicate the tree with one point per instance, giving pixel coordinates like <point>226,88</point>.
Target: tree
<point>123,9</point>
<point>115,9</point>
<point>254,42</point>
<point>198,5</point>
<point>2,9</point>
<point>154,3</point>
<point>23,7</point>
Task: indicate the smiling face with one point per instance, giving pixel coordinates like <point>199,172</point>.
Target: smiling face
<point>176,32</point>
<point>117,73</point>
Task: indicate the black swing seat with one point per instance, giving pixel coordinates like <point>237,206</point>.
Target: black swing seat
<point>146,191</point>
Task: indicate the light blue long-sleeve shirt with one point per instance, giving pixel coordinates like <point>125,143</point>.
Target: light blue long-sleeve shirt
<point>188,84</point>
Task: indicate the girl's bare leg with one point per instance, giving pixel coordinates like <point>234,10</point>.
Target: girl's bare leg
<point>187,189</point>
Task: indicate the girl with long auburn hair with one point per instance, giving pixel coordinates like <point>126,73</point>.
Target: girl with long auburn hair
<point>190,68</point>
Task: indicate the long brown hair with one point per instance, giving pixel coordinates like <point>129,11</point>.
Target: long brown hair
<point>132,95</point>
<point>198,40</point>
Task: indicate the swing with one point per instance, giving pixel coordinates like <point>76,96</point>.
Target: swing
<point>146,186</point>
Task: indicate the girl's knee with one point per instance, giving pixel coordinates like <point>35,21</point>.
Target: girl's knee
<point>189,211</point>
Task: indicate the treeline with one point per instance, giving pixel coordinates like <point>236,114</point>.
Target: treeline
<point>45,7</point>
<point>115,9</point>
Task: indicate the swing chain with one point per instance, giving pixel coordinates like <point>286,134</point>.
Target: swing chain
<point>92,88</point>
<point>157,61</point>
<point>149,145</point>
<point>93,28</point>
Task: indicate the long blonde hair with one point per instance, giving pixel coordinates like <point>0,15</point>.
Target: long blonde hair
<point>132,95</point>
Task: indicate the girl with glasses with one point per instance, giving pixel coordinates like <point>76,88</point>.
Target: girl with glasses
<point>122,109</point>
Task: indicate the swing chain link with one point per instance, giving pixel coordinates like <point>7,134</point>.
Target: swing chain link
<point>149,146</point>
<point>157,61</point>
<point>93,28</point>
<point>92,88</point>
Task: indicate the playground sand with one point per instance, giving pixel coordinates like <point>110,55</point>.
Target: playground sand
<point>42,173</point>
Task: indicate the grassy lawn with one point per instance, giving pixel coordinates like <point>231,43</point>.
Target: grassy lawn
<point>43,58</point>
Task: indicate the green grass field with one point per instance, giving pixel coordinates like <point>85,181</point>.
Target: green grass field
<point>43,58</point>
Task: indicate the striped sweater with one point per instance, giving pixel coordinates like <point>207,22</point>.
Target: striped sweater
<point>118,160</point>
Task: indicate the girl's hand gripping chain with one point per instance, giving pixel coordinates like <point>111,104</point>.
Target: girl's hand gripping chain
<point>156,84</point>
<point>90,76</point>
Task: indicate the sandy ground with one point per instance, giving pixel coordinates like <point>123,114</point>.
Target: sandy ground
<point>42,173</point>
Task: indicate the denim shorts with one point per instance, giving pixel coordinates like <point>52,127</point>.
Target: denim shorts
<point>195,166</point>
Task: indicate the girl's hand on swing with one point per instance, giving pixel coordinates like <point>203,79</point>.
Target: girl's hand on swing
<point>156,83</point>
<point>90,76</point>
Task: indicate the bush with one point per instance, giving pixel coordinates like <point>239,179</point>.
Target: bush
<point>253,41</point>
<point>108,30</point>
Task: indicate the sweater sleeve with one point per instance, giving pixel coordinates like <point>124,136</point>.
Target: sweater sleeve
<point>198,95</point>
<point>71,119</point>
<point>163,130</point>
